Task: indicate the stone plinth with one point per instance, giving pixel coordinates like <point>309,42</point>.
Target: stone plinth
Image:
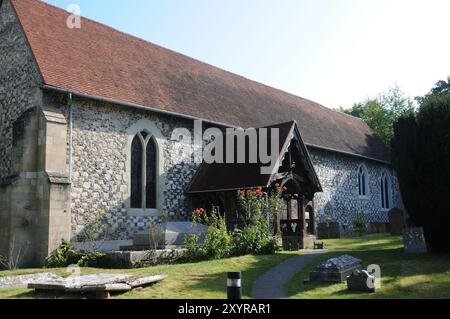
<point>335,269</point>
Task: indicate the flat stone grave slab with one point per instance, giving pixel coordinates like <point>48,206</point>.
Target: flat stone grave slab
<point>102,284</point>
<point>414,241</point>
<point>335,269</point>
<point>22,281</point>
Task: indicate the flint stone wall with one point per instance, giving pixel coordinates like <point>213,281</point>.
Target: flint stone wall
<point>99,177</point>
<point>340,199</point>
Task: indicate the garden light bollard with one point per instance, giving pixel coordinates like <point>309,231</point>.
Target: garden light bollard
<point>234,288</point>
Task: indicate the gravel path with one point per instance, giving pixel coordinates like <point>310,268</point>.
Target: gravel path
<point>270,285</point>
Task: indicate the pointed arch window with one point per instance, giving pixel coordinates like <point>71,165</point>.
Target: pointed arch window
<point>363,181</point>
<point>143,171</point>
<point>386,200</point>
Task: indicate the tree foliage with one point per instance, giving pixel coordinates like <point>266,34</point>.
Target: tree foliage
<point>380,113</point>
<point>421,156</point>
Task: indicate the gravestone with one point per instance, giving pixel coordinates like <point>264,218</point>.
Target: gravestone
<point>335,269</point>
<point>414,241</point>
<point>328,230</point>
<point>397,221</point>
<point>361,281</point>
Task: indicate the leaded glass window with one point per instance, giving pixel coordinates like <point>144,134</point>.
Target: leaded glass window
<point>144,171</point>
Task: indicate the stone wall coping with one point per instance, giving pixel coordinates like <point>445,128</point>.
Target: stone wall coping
<point>53,115</point>
<point>59,178</point>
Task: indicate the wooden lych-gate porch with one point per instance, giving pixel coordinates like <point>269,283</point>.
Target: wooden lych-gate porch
<point>217,185</point>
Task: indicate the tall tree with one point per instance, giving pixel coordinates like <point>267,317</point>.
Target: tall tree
<point>421,157</point>
<point>380,113</point>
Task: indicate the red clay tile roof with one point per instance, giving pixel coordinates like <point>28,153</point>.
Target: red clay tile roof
<point>229,177</point>
<point>101,61</point>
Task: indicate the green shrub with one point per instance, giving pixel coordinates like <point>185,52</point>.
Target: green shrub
<point>217,242</point>
<point>359,226</point>
<point>60,257</point>
<point>92,259</point>
<point>254,239</point>
<point>66,255</point>
<point>194,251</point>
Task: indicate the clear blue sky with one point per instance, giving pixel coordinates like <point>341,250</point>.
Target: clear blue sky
<point>335,52</point>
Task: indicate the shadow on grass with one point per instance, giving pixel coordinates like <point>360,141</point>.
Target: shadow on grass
<point>217,282</point>
<point>403,276</point>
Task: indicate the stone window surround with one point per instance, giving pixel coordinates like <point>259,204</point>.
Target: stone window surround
<point>155,133</point>
<point>367,182</point>
<point>386,175</point>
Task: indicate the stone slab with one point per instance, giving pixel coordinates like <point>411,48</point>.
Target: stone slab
<point>96,283</point>
<point>23,280</point>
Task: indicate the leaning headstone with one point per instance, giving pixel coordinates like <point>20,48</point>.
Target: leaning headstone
<point>361,281</point>
<point>335,269</point>
<point>414,241</point>
<point>397,218</point>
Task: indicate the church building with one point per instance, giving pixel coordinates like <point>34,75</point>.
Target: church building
<point>87,121</point>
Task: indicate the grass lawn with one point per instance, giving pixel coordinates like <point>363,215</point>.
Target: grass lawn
<point>205,280</point>
<point>403,276</point>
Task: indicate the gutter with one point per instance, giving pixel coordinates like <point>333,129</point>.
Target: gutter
<point>323,148</point>
<point>194,118</point>
<point>133,105</point>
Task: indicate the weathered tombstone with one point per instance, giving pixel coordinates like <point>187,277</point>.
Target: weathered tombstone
<point>414,241</point>
<point>335,269</point>
<point>328,230</point>
<point>361,281</point>
<point>397,221</point>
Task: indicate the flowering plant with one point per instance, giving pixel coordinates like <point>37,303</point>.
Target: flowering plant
<point>257,204</point>
<point>199,216</point>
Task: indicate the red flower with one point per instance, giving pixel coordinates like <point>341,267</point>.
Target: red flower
<point>277,185</point>
<point>285,188</point>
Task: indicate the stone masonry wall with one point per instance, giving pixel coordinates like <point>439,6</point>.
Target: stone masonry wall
<point>340,199</point>
<point>99,178</point>
<point>19,81</point>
